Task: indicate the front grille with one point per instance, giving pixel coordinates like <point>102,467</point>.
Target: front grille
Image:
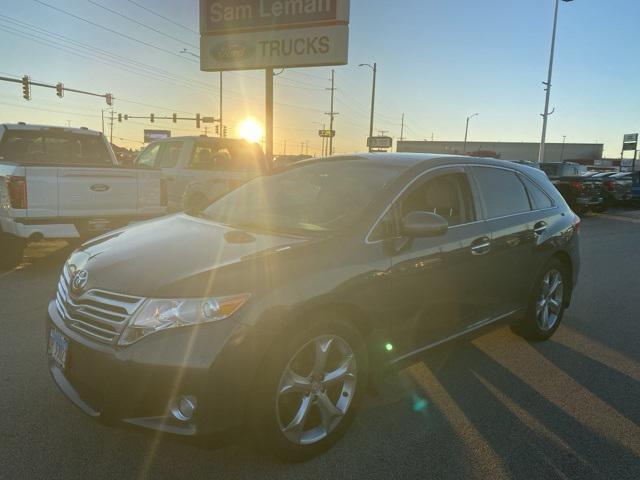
<point>97,314</point>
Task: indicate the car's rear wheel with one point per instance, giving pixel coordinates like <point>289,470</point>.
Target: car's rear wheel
<point>547,303</point>
<point>11,251</point>
<point>311,389</point>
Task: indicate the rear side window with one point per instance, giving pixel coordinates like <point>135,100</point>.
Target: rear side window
<point>539,199</point>
<point>503,193</point>
<point>56,148</point>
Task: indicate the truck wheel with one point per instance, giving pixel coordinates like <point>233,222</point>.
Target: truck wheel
<point>197,202</point>
<point>11,251</point>
<point>309,390</point>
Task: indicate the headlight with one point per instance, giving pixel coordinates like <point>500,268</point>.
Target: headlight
<point>161,314</point>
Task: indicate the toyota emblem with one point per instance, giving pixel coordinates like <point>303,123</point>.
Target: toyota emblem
<point>79,281</point>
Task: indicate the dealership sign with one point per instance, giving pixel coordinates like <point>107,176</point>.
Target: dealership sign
<point>254,34</point>
<point>630,142</point>
<point>382,142</point>
<point>152,135</point>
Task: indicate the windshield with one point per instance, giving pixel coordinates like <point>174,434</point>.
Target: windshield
<point>314,198</point>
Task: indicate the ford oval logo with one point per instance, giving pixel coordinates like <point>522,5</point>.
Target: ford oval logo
<point>79,282</point>
<point>99,187</point>
<point>231,50</point>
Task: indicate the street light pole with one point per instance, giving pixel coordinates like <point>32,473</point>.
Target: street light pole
<point>547,84</point>
<point>466,132</point>
<point>564,139</point>
<point>373,67</point>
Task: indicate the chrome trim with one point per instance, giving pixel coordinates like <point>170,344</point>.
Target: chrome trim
<point>97,314</point>
<point>457,165</point>
<point>471,328</point>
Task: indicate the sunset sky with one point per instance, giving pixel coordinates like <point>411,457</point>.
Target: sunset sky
<point>438,61</point>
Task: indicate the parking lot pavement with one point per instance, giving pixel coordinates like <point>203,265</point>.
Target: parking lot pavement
<point>496,407</point>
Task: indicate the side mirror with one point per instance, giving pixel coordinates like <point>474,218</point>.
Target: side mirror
<point>423,224</point>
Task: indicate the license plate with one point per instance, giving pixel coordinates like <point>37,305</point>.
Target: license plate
<point>98,225</point>
<point>58,348</point>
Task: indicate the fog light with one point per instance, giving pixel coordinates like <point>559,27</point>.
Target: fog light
<point>185,408</point>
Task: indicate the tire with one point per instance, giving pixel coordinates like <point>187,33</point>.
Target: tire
<point>547,303</point>
<point>197,202</point>
<point>298,414</point>
<point>11,251</point>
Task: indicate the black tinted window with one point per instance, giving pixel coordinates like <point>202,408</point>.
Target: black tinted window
<point>539,199</point>
<point>502,191</point>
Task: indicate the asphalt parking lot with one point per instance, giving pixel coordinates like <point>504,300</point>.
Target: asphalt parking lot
<point>496,407</point>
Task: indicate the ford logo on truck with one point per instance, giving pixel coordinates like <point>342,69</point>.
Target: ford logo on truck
<point>99,187</point>
<point>231,50</point>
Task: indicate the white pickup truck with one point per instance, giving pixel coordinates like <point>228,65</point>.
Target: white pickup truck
<point>65,183</point>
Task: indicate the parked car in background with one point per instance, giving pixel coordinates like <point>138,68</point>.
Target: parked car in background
<point>616,187</point>
<point>65,183</point>
<point>283,301</point>
<point>582,193</point>
<point>200,169</point>
<point>635,188</point>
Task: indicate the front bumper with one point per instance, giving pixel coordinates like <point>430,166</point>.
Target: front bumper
<point>139,384</point>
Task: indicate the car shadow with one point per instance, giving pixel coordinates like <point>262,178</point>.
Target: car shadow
<point>530,423</point>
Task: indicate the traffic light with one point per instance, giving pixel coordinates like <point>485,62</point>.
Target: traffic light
<point>197,120</point>
<point>217,129</point>
<point>120,118</point>
<point>60,89</point>
<point>175,118</point>
<point>109,98</point>
<point>26,87</point>
<point>224,131</point>
<point>152,118</point>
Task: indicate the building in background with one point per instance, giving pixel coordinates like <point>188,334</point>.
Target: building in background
<point>585,153</point>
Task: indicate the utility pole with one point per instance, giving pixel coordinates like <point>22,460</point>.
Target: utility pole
<point>466,132</point>
<point>373,67</point>
<point>331,114</point>
<point>402,129</point>
<point>102,110</point>
<point>547,84</point>
<point>269,115</point>
<point>221,122</point>
<point>564,138</point>
<point>111,129</point>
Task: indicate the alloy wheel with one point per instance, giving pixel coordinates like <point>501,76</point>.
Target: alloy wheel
<point>549,303</point>
<point>316,389</point>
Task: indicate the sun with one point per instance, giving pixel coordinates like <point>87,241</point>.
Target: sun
<point>251,130</point>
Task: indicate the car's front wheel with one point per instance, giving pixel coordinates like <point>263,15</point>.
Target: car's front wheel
<point>312,385</point>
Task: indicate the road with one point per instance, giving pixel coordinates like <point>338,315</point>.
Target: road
<point>496,407</point>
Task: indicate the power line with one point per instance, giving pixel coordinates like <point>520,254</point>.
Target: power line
<point>148,27</point>
<point>124,35</point>
<point>153,12</point>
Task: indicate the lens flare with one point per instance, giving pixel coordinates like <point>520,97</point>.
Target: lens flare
<point>250,130</point>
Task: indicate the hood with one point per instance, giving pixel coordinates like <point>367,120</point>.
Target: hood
<point>158,256</point>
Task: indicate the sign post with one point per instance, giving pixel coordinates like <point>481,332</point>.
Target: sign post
<point>269,34</point>
<point>630,143</point>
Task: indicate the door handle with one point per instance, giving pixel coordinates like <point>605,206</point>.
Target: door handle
<point>540,227</point>
<point>480,246</point>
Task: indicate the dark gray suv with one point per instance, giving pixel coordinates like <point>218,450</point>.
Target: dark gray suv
<point>274,307</point>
